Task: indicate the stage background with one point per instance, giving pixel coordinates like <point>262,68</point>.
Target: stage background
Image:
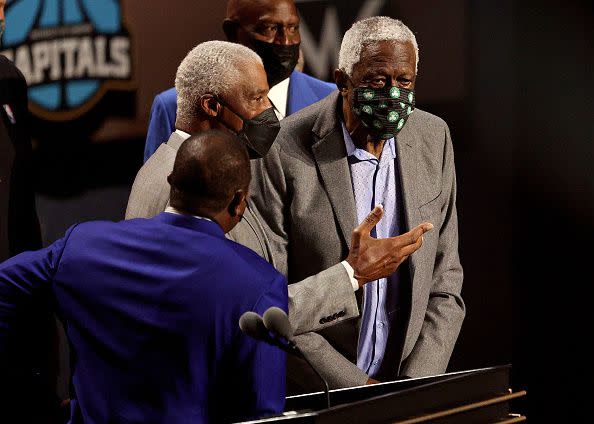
<point>514,82</point>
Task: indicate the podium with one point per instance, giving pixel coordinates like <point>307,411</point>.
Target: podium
<point>475,396</point>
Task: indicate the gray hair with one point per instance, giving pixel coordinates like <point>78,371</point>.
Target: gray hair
<point>212,67</point>
<point>376,28</point>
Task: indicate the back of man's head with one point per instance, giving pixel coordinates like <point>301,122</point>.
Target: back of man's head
<point>210,169</point>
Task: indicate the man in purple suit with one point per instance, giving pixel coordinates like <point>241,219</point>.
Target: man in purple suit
<point>271,29</point>
<point>151,306</point>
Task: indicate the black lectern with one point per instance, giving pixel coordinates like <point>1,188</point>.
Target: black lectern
<point>476,396</point>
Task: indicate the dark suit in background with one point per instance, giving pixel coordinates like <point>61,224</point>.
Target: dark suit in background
<point>24,372</point>
<point>19,228</point>
<point>151,310</point>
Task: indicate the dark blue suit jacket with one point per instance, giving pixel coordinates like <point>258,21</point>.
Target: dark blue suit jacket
<point>151,310</point>
<point>303,91</point>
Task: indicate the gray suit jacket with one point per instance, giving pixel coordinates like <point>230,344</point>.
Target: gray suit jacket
<point>315,303</point>
<point>306,198</point>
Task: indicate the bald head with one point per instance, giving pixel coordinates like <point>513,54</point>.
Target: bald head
<point>269,21</point>
<point>209,170</point>
<point>238,9</point>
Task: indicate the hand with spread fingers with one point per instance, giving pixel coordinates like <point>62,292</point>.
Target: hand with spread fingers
<point>373,258</point>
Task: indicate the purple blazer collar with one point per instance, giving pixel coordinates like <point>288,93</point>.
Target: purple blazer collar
<point>192,223</point>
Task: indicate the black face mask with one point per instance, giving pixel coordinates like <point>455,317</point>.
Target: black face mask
<point>383,111</point>
<point>259,132</point>
<point>279,59</point>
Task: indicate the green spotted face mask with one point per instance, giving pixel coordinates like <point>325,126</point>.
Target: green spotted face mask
<point>383,111</point>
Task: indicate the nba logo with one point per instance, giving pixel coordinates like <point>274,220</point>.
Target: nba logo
<point>71,53</point>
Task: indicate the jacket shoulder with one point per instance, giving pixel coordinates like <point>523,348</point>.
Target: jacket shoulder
<point>231,260</point>
<point>150,190</point>
<point>159,164</point>
<point>428,121</point>
<point>297,129</point>
<point>303,118</point>
<point>167,97</point>
<point>90,229</point>
<point>316,84</point>
<point>245,258</point>
<point>301,121</point>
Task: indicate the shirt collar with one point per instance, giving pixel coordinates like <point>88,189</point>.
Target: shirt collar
<point>182,134</point>
<point>189,222</point>
<point>171,209</point>
<point>278,95</point>
<point>388,153</point>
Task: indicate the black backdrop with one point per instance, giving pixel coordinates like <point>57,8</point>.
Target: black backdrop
<point>514,81</point>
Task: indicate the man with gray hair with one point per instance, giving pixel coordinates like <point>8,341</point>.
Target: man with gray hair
<point>223,85</point>
<point>271,29</point>
<point>362,146</point>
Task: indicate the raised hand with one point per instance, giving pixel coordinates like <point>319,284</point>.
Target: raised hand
<point>373,258</point>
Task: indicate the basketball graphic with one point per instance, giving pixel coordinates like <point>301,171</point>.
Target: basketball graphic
<point>71,52</point>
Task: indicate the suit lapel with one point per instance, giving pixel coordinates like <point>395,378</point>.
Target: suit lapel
<point>406,144</point>
<point>256,228</point>
<point>329,152</point>
<point>406,148</point>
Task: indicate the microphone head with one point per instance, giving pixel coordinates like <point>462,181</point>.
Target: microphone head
<point>251,324</point>
<point>277,321</point>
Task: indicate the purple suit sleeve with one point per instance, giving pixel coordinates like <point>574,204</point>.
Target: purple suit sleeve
<point>161,125</point>
<point>22,277</point>
<point>262,367</point>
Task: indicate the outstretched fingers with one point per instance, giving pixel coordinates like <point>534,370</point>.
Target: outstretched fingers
<point>416,233</point>
<point>409,249</point>
<point>365,227</point>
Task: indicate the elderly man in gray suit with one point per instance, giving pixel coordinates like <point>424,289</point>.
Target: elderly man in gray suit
<point>331,163</point>
<point>223,85</point>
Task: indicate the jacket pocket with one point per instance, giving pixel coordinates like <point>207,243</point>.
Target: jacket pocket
<point>432,207</point>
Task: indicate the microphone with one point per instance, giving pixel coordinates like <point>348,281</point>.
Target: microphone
<point>277,322</point>
<point>251,324</point>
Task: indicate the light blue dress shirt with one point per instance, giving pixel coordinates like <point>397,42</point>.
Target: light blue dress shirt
<point>374,182</point>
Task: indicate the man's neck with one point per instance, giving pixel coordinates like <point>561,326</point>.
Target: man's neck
<point>374,147</point>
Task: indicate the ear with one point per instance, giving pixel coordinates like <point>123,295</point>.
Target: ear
<point>210,105</point>
<point>230,29</point>
<point>341,79</point>
<point>238,203</point>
